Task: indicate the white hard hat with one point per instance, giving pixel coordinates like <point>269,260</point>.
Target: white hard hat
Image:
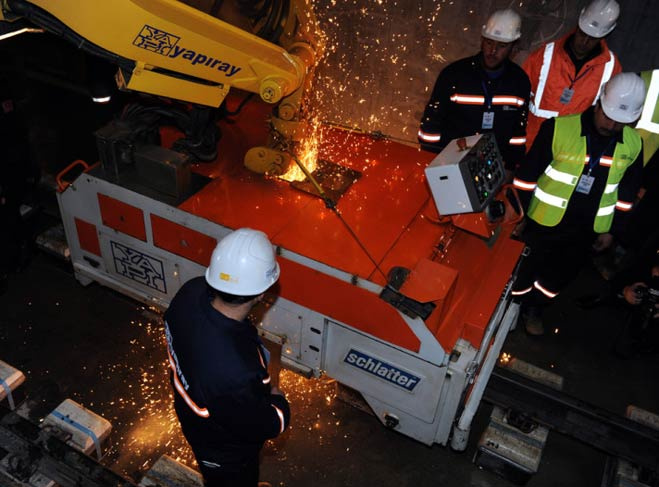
<point>623,97</point>
<point>503,26</point>
<point>243,264</point>
<point>599,18</point>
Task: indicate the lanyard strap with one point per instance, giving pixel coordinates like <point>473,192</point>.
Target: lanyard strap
<point>593,161</point>
<point>488,96</point>
<point>574,80</point>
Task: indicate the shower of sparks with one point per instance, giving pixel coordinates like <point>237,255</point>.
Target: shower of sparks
<point>375,75</point>
<point>378,69</point>
<point>307,154</point>
<point>307,398</point>
<point>141,410</point>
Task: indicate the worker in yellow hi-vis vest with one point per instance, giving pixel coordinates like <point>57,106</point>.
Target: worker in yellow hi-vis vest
<point>648,124</point>
<point>577,185</point>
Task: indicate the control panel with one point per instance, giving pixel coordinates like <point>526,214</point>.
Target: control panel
<point>465,175</point>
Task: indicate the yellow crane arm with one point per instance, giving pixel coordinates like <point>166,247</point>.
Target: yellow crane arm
<point>182,53</point>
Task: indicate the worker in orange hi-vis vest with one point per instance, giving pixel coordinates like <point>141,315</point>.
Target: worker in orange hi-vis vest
<point>567,75</point>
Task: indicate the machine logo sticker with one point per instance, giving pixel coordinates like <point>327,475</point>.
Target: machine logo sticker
<point>165,44</point>
<point>138,267</point>
<point>156,40</point>
<point>381,369</point>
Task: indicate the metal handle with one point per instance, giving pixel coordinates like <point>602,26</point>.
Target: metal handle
<point>59,179</point>
<point>511,216</point>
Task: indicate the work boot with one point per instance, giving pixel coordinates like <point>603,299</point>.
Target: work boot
<point>532,318</point>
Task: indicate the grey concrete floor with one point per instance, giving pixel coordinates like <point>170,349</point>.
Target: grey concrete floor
<point>105,351</point>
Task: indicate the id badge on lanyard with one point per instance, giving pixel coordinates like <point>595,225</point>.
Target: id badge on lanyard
<point>568,92</point>
<point>566,96</point>
<point>586,180</point>
<point>488,120</point>
<point>585,183</point>
<point>488,116</point>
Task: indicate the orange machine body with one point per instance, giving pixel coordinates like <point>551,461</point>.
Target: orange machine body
<point>389,209</point>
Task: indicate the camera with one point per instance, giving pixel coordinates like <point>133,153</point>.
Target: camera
<point>649,296</point>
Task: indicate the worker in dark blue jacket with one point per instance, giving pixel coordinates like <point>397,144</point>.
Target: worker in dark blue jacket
<point>483,93</point>
<point>223,394</point>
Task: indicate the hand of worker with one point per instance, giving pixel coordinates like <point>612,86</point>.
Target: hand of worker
<point>603,242</point>
<point>632,293</point>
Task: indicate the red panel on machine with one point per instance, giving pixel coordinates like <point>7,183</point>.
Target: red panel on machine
<point>483,274</point>
<point>88,237</point>
<point>183,241</point>
<point>122,217</point>
<point>349,304</point>
<point>489,290</point>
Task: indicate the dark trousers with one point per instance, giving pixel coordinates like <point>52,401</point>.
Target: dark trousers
<point>221,463</point>
<point>556,257</point>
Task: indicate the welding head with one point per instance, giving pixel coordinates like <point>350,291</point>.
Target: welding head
<point>503,26</point>
<point>243,264</point>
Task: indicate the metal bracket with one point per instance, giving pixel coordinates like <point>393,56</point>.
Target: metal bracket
<point>406,305</point>
<point>414,309</point>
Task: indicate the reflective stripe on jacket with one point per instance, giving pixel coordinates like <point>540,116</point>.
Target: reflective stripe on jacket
<point>556,185</point>
<point>551,71</point>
